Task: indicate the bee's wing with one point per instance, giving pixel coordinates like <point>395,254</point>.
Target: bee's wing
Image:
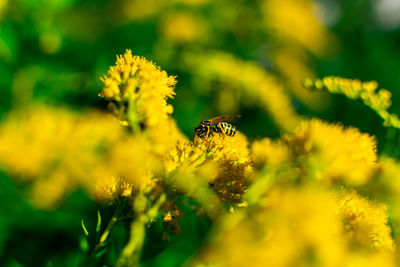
<point>223,118</point>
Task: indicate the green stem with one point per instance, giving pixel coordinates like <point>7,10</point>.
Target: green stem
<point>110,225</point>
<point>106,232</point>
<point>130,255</point>
<point>132,116</point>
<point>390,136</point>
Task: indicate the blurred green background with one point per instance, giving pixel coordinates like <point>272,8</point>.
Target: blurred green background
<point>54,51</point>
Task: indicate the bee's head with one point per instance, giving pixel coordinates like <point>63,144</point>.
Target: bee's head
<point>200,130</point>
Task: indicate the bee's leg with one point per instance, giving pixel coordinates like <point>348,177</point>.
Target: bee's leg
<point>207,134</point>
<point>195,139</point>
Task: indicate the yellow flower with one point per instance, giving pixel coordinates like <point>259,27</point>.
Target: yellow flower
<point>221,163</point>
<point>333,152</point>
<point>111,190</point>
<point>183,27</point>
<point>184,153</point>
<point>288,228</point>
<point>40,137</point>
<point>365,222</point>
<point>232,155</point>
<point>267,152</point>
<point>190,170</point>
<point>293,21</point>
<point>378,100</point>
<point>57,152</point>
<point>139,89</point>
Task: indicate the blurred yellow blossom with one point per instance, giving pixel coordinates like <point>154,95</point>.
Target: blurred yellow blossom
<point>183,27</point>
<point>268,152</point>
<point>378,100</point>
<point>365,223</point>
<point>293,21</point>
<point>293,227</point>
<point>302,227</point>
<point>57,151</point>
<point>332,152</point>
<point>3,8</point>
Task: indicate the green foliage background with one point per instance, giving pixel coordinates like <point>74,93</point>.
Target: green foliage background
<point>83,38</point>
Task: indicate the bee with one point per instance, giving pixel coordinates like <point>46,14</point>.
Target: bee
<point>218,125</point>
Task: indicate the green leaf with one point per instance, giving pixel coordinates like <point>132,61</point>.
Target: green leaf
<point>84,229</point>
<point>98,227</point>
<point>84,244</point>
<point>101,252</point>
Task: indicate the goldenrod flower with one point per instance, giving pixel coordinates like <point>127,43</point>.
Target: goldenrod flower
<point>232,155</point>
<point>378,100</point>
<point>140,90</point>
<point>293,21</point>
<point>58,152</point>
<point>183,27</point>
<point>267,152</point>
<point>184,153</point>
<point>332,152</point>
<point>222,162</point>
<point>365,222</point>
<point>111,190</point>
<point>190,170</point>
<point>289,227</point>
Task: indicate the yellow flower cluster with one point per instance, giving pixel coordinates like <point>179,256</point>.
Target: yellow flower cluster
<point>365,222</point>
<point>321,152</point>
<point>58,151</point>
<point>140,90</point>
<point>223,163</point>
<point>266,152</point>
<point>331,152</point>
<point>183,27</point>
<point>235,173</point>
<point>301,227</point>
<point>378,100</point>
<point>253,84</point>
<point>294,31</point>
<point>294,21</point>
<point>111,189</point>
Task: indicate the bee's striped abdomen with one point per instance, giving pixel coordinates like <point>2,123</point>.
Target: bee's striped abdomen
<point>226,128</point>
